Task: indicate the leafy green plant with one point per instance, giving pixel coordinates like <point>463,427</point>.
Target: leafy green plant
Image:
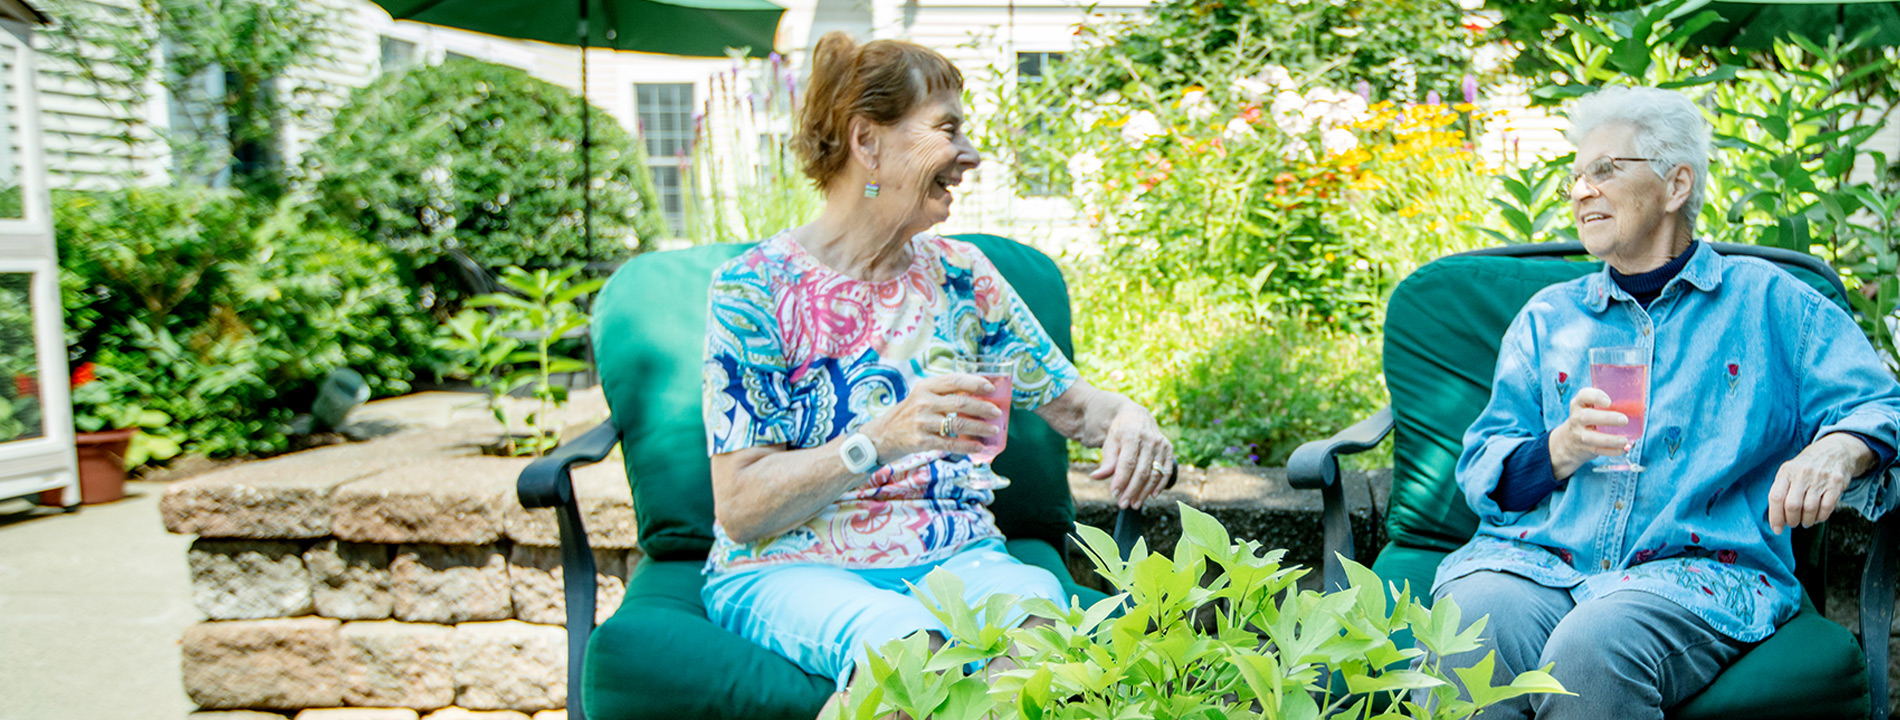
<point>105,399</point>
<point>1534,205</point>
<point>1218,631</point>
<point>514,349</point>
<point>225,315</point>
<point>474,164</point>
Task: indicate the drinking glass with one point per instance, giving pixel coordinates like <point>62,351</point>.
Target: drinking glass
<point>1623,374</point>
<point>1001,372</point>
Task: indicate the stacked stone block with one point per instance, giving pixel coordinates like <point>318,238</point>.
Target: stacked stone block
<point>390,579</point>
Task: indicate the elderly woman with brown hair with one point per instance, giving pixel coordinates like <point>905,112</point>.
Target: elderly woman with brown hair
<point>840,453</point>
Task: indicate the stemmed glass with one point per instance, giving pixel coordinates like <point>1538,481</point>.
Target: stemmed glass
<point>1001,372</point>
<point>1623,374</point>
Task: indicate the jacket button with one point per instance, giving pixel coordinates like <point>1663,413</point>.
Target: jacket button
<point>1606,564</point>
<point>1645,332</point>
<point>1619,504</point>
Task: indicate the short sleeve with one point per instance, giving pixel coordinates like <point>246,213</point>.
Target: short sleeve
<point>1011,330</point>
<point>746,386</point>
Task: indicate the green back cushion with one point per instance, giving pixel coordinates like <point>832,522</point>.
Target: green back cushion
<point>650,337</point>
<point>1442,330</point>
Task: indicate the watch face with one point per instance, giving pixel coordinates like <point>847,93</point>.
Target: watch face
<point>859,454</point>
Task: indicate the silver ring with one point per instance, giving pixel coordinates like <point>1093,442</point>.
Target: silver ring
<point>944,429</point>
<point>1158,466</point>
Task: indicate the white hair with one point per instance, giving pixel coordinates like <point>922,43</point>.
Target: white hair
<point>1669,129</point>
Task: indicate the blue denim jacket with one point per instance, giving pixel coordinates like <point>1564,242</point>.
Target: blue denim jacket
<point>1748,365</point>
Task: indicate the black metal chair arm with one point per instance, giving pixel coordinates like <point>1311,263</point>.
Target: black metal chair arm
<point>1876,608</point>
<point>545,483</point>
<point>1315,465</point>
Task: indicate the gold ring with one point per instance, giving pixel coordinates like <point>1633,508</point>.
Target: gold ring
<point>944,428</point>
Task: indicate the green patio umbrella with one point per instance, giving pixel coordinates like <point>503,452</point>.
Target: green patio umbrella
<point>1755,24</point>
<point>697,28</point>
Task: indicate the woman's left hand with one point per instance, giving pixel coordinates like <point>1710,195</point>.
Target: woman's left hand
<point>1808,488</point>
<point>1135,455</point>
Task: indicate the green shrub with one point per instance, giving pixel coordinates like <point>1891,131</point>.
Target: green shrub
<point>480,160</point>
<point>223,315</point>
<point>1232,389</point>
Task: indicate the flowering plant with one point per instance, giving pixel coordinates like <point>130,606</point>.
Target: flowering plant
<point>104,398</point>
<point>1250,208</point>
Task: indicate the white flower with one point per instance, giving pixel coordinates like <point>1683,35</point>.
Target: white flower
<point>1251,88</point>
<point>1237,129</point>
<point>1140,126</point>
<point>1196,105</point>
<point>1289,112</point>
<point>1277,76</point>
<point>1083,167</point>
<point>1338,140</point>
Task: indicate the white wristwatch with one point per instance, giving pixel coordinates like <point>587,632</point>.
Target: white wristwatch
<point>858,453</point>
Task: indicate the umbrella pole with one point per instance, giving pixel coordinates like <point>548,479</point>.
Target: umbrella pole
<point>587,150</point>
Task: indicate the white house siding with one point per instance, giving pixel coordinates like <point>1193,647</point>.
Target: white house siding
<point>81,123</point>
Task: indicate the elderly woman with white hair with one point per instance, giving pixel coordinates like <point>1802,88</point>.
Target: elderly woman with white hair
<point>1767,408</point>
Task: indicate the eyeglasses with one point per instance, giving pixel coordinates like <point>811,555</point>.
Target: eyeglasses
<point>1601,170</point>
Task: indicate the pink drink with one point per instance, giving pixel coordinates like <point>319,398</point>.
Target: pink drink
<point>1626,385</point>
<point>999,397</point>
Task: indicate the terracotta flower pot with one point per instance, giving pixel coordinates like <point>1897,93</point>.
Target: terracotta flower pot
<point>101,467</point>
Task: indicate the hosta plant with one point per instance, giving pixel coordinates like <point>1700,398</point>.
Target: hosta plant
<point>1219,631</point>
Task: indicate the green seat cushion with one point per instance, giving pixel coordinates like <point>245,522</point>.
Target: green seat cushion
<point>659,657</point>
<point>650,338</point>
<point>1828,681</point>
<point>1810,668</point>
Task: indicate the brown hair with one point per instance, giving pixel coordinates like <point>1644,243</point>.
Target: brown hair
<point>880,81</point>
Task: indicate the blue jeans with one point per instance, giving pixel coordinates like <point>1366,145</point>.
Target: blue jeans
<point>825,619</point>
<point>1627,655</point>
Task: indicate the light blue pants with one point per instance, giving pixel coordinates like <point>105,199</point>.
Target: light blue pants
<point>824,618</point>
<point>1626,655</point>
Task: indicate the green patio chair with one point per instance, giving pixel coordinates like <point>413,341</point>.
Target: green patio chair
<point>658,656</point>
<point>1443,326</point>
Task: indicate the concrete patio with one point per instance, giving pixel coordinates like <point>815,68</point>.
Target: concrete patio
<point>91,608</point>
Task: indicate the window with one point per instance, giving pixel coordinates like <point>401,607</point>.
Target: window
<point>1041,175</point>
<point>200,136</point>
<point>398,55</point>
<point>665,111</point>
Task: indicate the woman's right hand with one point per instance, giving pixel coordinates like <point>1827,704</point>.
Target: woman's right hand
<point>1576,441</point>
<point>912,426</point>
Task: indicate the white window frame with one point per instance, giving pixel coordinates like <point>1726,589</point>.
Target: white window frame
<point>26,245</point>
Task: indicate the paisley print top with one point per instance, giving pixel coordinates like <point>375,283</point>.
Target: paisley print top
<point>798,354</point>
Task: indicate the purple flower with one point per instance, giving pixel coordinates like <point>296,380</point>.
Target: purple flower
<point>1365,90</point>
<point>776,59</point>
<point>1432,98</point>
<point>1253,459</point>
<point>1471,90</point>
<point>1216,421</point>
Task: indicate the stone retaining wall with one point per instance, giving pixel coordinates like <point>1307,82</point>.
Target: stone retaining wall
<point>395,578</point>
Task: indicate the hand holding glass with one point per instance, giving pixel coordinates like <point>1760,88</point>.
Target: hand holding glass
<point>1623,374</point>
<point>1001,372</point>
